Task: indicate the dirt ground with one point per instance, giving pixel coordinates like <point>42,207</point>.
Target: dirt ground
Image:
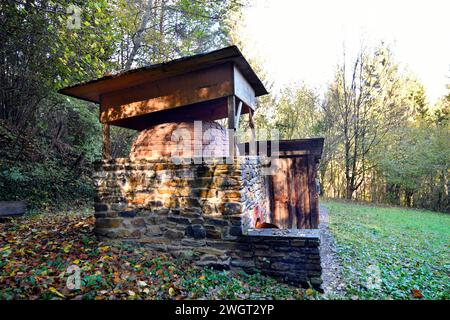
<point>331,269</point>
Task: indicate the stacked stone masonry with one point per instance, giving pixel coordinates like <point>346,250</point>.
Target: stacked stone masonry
<point>201,211</point>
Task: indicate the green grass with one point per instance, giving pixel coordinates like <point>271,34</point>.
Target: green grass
<point>409,249</point>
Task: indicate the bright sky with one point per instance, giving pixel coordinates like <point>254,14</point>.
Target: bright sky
<point>302,40</point>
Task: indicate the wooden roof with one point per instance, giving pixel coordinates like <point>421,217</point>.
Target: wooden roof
<point>92,90</point>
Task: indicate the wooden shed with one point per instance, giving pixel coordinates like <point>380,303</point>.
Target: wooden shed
<point>292,189</point>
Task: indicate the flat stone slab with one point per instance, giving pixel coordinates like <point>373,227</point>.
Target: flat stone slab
<point>12,208</point>
<point>286,233</point>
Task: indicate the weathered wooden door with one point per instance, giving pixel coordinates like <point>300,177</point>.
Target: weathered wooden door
<point>293,194</point>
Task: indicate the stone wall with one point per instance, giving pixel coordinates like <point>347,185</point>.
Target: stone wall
<point>291,255</point>
<point>154,192</point>
<point>201,211</point>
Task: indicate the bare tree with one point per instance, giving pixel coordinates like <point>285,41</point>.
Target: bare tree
<point>137,41</point>
<point>364,103</point>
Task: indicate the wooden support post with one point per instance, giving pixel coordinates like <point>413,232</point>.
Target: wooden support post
<point>251,123</point>
<point>106,139</point>
<point>231,125</point>
<point>238,115</point>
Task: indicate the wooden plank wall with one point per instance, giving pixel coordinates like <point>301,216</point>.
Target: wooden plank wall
<point>293,194</point>
<point>194,87</point>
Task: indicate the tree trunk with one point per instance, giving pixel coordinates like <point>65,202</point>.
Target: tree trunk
<point>139,34</point>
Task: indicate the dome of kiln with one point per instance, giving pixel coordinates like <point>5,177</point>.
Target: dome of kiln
<point>177,139</point>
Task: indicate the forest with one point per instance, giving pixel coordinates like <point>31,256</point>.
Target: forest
<point>385,142</point>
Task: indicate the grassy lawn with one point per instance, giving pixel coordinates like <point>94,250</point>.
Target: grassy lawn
<point>36,251</point>
<point>391,253</point>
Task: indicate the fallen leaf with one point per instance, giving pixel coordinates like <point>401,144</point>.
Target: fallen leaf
<point>142,283</point>
<point>104,248</point>
<point>56,292</point>
<point>416,293</point>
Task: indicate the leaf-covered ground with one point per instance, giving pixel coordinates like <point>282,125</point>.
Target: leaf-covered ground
<point>391,253</point>
<point>385,253</point>
<point>36,252</point>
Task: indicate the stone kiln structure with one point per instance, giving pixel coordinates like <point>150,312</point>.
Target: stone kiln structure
<point>203,208</point>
